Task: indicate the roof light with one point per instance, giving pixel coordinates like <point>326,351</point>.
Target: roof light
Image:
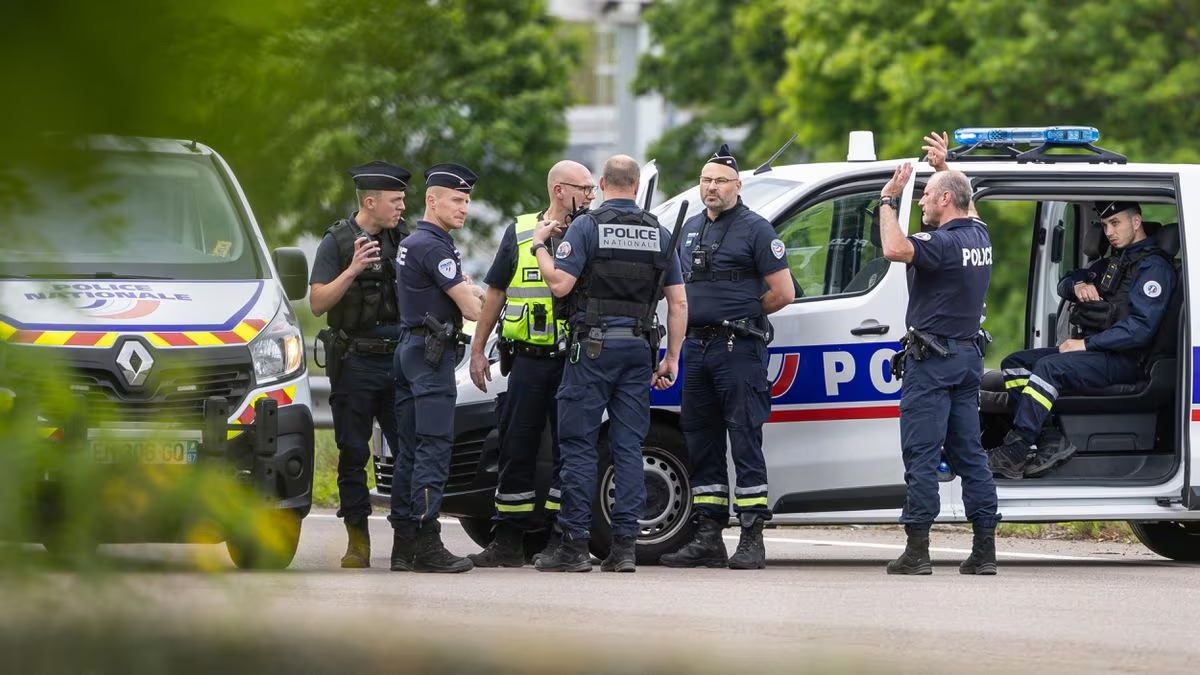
<point>862,147</point>
<point>1065,135</point>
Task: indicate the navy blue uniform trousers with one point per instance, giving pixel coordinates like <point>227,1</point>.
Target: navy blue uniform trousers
<point>1034,378</point>
<point>425,398</point>
<point>365,391</point>
<point>939,408</point>
<point>524,410</point>
<point>726,392</point>
<point>619,380</point>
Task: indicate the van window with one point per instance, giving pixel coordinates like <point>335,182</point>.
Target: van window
<point>131,215</point>
<point>833,246</point>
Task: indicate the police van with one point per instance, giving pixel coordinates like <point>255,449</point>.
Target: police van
<point>832,442</point>
<point>147,277</point>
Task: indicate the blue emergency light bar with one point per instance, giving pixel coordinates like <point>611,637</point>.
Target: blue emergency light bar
<point>1066,135</point>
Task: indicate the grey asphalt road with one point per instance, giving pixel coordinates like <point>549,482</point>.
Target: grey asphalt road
<point>824,599</point>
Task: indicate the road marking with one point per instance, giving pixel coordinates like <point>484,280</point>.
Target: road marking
<point>826,542</point>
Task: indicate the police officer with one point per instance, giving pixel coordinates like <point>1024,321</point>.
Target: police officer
<point>533,345</point>
<point>354,280</point>
<point>730,254</point>
<point>1120,304</point>
<point>942,364</point>
<point>613,261</point>
<point>434,299</point>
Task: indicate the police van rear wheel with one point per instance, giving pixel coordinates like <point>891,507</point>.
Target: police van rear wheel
<point>666,520</point>
<point>1170,539</point>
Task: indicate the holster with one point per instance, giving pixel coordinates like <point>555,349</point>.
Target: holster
<point>897,363</point>
<point>435,346</point>
<point>595,342</point>
<point>507,355</point>
<point>335,352</point>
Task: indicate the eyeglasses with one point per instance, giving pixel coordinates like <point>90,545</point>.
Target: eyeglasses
<point>719,182</point>
<point>584,188</point>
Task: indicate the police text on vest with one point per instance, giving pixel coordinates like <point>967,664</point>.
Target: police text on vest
<point>628,237</point>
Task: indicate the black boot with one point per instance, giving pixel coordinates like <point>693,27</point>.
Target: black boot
<point>570,556</point>
<point>622,557</point>
<point>706,549</point>
<point>403,544</point>
<point>430,554</point>
<point>1053,449</point>
<point>507,549</point>
<point>358,544</point>
<point>1008,460</point>
<point>983,553</point>
<point>751,554</point>
<point>552,545</point>
<point>915,559</point>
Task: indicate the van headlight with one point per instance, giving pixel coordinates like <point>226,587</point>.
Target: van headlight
<point>278,351</point>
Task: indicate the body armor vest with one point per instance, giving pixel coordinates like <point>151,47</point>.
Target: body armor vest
<point>622,280</point>
<point>371,298</point>
<point>1115,288</point>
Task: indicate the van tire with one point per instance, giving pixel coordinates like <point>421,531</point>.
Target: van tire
<point>1170,539</point>
<point>668,496</point>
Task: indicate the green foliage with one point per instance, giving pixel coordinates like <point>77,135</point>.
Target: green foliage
<point>291,94</point>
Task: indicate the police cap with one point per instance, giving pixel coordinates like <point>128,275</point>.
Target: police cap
<point>723,157</point>
<point>453,176</point>
<point>1110,208</point>
<point>380,176</point>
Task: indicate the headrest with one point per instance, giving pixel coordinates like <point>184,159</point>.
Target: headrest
<point>1168,238</point>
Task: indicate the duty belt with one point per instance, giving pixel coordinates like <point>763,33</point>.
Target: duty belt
<point>535,351</point>
<point>713,332</point>
<point>371,345</point>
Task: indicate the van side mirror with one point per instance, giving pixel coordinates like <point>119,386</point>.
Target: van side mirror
<point>293,271</point>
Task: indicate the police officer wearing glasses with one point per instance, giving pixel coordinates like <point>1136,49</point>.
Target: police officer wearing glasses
<point>613,262</point>
<point>354,281</point>
<point>942,363</point>
<point>533,346</point>
<point>434,299</point>
<point>736,273</point>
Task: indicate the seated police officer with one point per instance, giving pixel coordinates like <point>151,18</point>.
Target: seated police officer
<point>730,254</point>
<point>354,280</point>
<point>1120,303</point>
<point>533,337</point>
<point>434,299</point>
<point>616,261</point>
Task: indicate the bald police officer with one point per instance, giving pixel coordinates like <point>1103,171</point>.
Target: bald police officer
<point>354,280</point>
<point>610,262</point>
<point>533,337</point>
<point>434,299</point>
<point>1120,304</point>
<point>730,255</point>
<point>943,363</point>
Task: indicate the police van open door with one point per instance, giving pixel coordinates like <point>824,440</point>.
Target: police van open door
<point>833,439</point>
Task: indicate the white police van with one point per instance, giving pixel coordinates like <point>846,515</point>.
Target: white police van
<point>832,442</point>
<point>147,276</point>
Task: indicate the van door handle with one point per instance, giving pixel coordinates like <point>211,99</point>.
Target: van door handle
<point>877,329</point>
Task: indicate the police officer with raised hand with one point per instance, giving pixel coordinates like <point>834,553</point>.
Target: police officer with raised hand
<point>1120,302</point>
<point>533,344</point>
<point>730,254</point>
<point>434,300</point>
<point>354,280</point>
<point>611,262</point>
<point>942,364</point>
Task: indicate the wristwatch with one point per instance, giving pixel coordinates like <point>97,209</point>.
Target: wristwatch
<point>893,202</point>
<point>536,245</point>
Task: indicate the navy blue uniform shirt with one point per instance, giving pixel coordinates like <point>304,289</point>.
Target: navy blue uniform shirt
<point>747,244</point>
<point>578,249</point>
<point>327,266</point>
<point>428,265</point>
<point>953,267</point>
<point>1153,283</point>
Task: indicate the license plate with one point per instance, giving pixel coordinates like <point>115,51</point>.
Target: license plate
<point>144,451</point>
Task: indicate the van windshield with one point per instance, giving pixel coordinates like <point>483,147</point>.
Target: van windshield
<point>131,215</point>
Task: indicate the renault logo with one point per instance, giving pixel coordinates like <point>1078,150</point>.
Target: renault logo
<point>135,362</point>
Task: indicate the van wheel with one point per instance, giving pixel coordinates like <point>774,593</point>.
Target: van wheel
<point>666,520</point>
<point>269,546</point>
<point>1170,539</point>
<point>480,531</point>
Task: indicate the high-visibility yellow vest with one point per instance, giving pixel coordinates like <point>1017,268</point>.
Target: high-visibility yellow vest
<point>529,313</point>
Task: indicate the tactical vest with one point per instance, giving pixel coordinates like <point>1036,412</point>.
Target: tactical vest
<point>529,312</point>
<point>623,279</point>
<point>1094,317</point>
<point>371,298</point>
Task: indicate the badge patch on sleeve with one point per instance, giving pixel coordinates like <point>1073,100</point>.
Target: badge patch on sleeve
<point>448,268</point>
<point>923,236</point>
<point>778,249</point>
<point>564,250</point>
<point>1152,289</point>
<point>628,237</point>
